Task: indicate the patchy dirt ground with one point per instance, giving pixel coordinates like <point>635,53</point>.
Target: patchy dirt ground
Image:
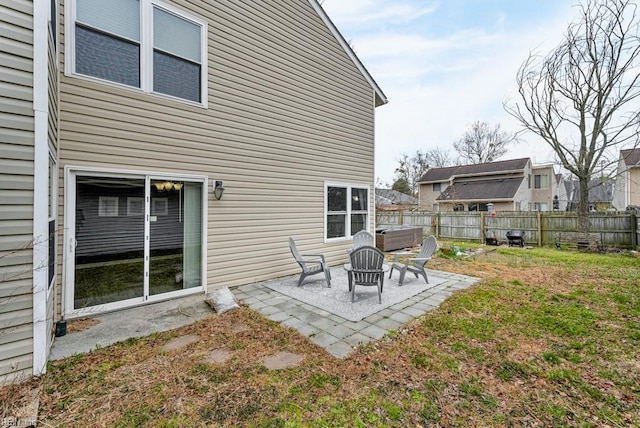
<point>545,339</point>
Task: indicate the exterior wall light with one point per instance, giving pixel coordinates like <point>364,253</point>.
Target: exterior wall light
<point>218,189</point>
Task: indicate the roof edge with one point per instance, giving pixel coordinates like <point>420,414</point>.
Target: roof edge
<point>488,174</point>
<point>381,98</point>
<point>476,200</point>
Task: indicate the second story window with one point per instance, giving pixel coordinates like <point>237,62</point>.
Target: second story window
<point>436,187</point>
<point>143,44</point>
<point>541,181</point>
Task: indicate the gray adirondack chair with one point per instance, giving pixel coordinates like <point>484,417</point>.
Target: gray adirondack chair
<point>367,268</point>
<point>362,238</point>
<point>311,264</point>
<point>416,265</point>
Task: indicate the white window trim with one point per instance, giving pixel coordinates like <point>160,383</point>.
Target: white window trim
<point>546,177</point>
<point>348,213</point>
<point>146,50</point>
<point>54,216</point>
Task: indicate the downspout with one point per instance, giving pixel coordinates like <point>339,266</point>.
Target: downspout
<point>40,184</point>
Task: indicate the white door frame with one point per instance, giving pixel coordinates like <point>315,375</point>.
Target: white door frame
<point>69,242</point>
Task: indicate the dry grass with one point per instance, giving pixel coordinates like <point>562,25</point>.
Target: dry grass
<point>546,338</point>
<point>80,324</point>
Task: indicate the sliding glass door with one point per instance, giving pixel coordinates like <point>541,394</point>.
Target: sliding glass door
<point>134,239</point>
<point>176,236</point>
<point>109,250</point>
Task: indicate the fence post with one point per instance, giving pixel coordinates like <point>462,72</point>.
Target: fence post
<point>634,230</point>
<point>482,229</point>
<point>401,218</point>
<point>539,225</point>
<point>438,225</point>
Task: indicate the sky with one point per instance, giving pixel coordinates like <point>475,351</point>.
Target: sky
<point>444,64</point>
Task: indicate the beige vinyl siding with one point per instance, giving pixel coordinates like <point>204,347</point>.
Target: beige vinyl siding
<point>619,190</point>
<point>16,191</point>
<point>288,110</point>
<point>543,195</point>
<point>428,197</point>
<point>634,186</point>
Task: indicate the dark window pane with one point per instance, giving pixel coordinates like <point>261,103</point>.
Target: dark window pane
<point>336,226</point>
<point>107,57</point>
<point>176,77</point>
<point>358,223</point>
<point>337,199</point>
<point>52,250</point>
<point>359,199</point>
<point>109,254</point>
<point>54,19</point>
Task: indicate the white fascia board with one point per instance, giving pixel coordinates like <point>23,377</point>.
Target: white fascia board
<point>365,73</point>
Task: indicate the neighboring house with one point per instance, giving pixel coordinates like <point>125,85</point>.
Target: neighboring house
<point>548,192</point>
<point>509,185</point>
<point>392,200</point>
<point>560,197</point>
<point>627,186</point>
<point>161,102</point>
<point>601,193</point>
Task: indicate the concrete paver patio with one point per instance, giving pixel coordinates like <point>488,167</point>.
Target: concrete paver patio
<point>339,335</point>
<point>336,334</point>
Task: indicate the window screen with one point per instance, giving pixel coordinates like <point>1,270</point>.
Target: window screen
<point>106,57</point>
<point>108,40</point>
<point>109,45</point>
<point>176,56</point>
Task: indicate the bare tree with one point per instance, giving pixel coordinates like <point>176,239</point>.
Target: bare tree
<point>438,158</point>
<point>410,169</point>
<point>482,143</point>
<point>582,98</point>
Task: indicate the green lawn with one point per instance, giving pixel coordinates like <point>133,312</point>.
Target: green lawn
<point>106,282</point>
<point>546,338</point>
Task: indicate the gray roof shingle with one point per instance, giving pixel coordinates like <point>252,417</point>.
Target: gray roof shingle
<point>631,156</point>
<point>395,197</point>
<point>600,190</point>
<point>444,174</point>
<point>502,188</point>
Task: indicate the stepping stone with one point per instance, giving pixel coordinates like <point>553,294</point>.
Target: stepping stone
<point>218,356</point>
<point>282,360</point>
<point>181,342</point>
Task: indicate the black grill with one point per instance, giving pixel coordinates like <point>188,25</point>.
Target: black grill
<point>490,238</point>
<point>516,238</point>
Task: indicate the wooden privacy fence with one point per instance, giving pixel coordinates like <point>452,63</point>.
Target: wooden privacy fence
<point>617,229</point>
